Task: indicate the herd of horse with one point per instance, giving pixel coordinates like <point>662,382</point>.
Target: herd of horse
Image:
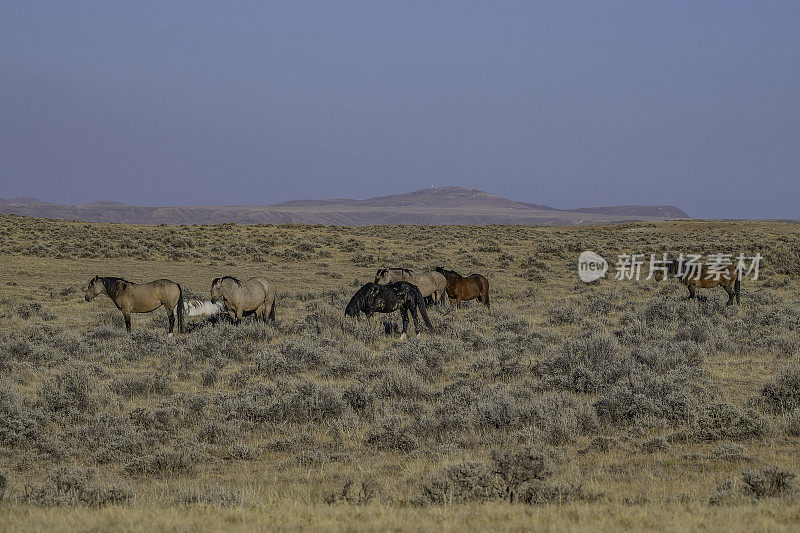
<point>394,289</point>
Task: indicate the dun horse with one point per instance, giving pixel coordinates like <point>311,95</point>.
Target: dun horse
<point>255,294</point>
<point>460,288</point>
<point>372,298</point>
<point>132,297</point>
<point>695,275</point>
<point>430,284</point>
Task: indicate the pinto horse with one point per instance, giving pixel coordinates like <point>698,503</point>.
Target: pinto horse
<point>460,288</point>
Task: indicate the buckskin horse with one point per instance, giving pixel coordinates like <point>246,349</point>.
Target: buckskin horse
<point>372,298</point>
<point>430,284</point>
<point>132,297</point>
<point>255,294</point>
<point>461,288</point>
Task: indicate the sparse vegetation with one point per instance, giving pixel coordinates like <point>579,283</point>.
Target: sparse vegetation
<point>609,395</point>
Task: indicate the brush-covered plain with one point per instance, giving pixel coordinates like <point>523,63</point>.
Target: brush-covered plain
<point>616,404</point>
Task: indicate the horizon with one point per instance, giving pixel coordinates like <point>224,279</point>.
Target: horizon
<point>564,104</point>
<point>117,202</point>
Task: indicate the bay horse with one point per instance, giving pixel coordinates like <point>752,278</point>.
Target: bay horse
<point>460,288</point>
<point>132,297</point>
<point>430,284</point>
<point>255,294</point>
<point>701,275</point>
<point>387,298</point>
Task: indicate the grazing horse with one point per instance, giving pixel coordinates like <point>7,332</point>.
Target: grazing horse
<point>429,283</point>
<point>255,294</point>
<point>696,275</point>
<point>400,295</point>
<point>460,288</point>
<point>132,297</point>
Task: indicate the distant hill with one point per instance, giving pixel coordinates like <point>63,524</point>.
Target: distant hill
<point>443,205</point>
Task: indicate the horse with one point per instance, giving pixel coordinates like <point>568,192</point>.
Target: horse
<point>697,275</point>
<point>430,284</point>
<point>387,298</point>
<point>132,297</point>
<point>202,308</point>
<point>460,288</point>
<point>255,294</point>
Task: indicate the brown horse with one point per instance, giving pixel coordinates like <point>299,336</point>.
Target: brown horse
<point>132,297</point>
<point>460,288</point>
<point>697,275</point>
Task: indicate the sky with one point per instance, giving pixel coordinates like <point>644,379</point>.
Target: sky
<point>569,104</point>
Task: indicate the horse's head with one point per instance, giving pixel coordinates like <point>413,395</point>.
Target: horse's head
<point>362,300</point>
<point>94,288</point>
<point>444,272</point>
<point>216,290</point>
<point>672,269</point>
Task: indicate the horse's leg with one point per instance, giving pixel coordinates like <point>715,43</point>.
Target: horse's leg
<point>416,319</point>
<point>692,293</point>
<point>730,292</point>
<point>458,301</point>
<point>404,314</point>
<point>171,316</point>
<point>127,316</point>
<point>452,301</point>
<point>239,313</point>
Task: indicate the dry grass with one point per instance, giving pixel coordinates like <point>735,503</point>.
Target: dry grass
<point>611,405</point>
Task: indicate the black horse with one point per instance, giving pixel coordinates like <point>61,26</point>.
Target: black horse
<point>400,295</point>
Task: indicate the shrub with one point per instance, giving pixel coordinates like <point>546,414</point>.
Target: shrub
<point>730,452</point>
<point>391,434</point>
<point>725,421</point>
<point>792,423</point>
<point>461,483</point>
<point>72,487</point>
<point>768,482</point>
<point>782,393</point>
<point>167,461</point>
<point>72,389</point>
<point>517,469</point>
<point>586,363</point>
<point>562,417</point>
<point>141,385</point>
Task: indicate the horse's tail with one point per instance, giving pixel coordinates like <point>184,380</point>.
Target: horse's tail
<point>272,309</point>
<point>181,319</point>
<point>737,285</point>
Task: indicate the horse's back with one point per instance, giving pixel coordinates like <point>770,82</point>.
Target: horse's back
<point>261,284</point>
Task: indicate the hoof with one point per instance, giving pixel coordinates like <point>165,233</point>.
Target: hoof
<point>170,335</point>
<point>417,334</point>
<point>403,337</point>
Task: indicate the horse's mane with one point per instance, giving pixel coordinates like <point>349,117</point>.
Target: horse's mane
<point>112,284</point>
<point>223,278</point>
<point>401,269</point>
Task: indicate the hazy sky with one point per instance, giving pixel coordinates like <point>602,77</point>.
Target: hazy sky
<point>569,104</point>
